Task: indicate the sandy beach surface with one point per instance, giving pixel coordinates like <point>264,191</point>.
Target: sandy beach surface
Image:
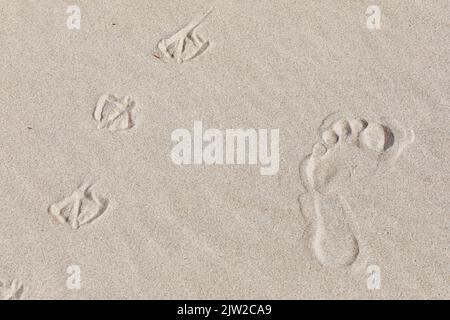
<point>93,205</point>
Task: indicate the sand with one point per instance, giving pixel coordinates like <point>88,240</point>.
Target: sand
<point>94,207</point>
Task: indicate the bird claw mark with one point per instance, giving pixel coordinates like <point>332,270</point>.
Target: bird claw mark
<point>114,113</point>
<point>12,290</point>
<point>80,208</point>
<point>185,45</point>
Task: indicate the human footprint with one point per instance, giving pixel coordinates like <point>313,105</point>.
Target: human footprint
<point>80,208</point>
<point>114,113</point>
<point>184,45</point>
<point>350,150</point>
<point>12,290</point>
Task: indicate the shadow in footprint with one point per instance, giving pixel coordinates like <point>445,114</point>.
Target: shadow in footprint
<point>389,138</point>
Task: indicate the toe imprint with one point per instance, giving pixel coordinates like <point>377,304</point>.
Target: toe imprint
<point>319,150</point>
<point>357,125</point>
<point>342,129</point>
<point>374,138</point>
<point>330,137</point>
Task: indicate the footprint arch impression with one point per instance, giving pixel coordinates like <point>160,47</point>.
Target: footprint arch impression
<point>82,207</point>
<point>348,152</point>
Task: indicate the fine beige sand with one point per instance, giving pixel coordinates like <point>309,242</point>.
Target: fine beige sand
<point>93,207</point>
